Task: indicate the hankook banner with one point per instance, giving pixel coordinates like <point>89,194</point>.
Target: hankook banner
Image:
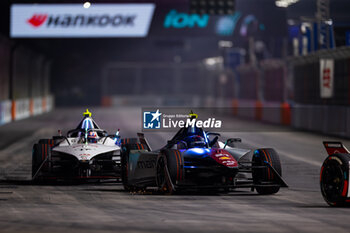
<point>73,20</point>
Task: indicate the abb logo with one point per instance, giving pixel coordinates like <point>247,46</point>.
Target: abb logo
<point>37,20</point>
<point>327,78</point>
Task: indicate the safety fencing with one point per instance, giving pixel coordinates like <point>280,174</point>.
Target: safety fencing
<point>24,108</point>
<point>291,92</point>
<point>151,100</point>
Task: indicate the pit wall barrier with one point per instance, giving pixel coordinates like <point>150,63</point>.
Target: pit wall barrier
<point>269,112</point>
<point>325,119</point>
<point>23,108</point>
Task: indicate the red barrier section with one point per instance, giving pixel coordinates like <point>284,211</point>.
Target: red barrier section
<point>13,110</point>
<point>31,107</point>
<point>44,104</point>
<point>285,114</point>
<point>258,110</point>
<point>235,107</point>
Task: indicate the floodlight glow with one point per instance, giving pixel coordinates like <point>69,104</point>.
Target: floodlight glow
<point>87,5</point>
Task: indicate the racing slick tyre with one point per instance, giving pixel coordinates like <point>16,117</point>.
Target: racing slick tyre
<point>125,155</point>
<point>334,180</point>
<point>51,142</point>
<point>40,153</point>
<point>264,179</point>
<point>169,170</point>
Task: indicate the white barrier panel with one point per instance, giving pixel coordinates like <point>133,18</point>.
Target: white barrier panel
<point>22,109</point>
<point>49,102</point>
<point>37,106</point>
<point>5,111</point>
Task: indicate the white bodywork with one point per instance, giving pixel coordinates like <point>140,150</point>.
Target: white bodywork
<point>237,153</point>
<point>86,151</point>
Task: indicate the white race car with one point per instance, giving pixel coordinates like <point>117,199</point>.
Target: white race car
<point>87,152</point>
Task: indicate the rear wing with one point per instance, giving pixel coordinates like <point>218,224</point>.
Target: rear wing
<point>335,148</point>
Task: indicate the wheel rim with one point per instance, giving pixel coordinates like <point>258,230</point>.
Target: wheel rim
<point>332,181</point>
<point>161,172</point>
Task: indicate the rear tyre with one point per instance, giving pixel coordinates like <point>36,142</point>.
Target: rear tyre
<point>125,156</point>
<point>169,170</point>
<point>265,176</point>
<point>334,180</point>
<point>50,142</point>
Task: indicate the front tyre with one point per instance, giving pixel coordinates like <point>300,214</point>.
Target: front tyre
<point>334,180</point>
<point>169,170</point>
<point>264,179</point>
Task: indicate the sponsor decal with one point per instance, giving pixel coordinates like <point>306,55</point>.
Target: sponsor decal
<point>146,164</point>
<point>73,20</point>
<point>337,159</point>
<point>224,158</point>
<point>176,19</point>
<point>37,20</point>
<point>226,25</point>
<point>326,77</point>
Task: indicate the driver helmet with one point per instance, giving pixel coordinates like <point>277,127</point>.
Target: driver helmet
<point>92,137</point>
<point>195,141</point>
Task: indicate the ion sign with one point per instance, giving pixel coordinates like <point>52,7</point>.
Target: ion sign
<point>73,20</point>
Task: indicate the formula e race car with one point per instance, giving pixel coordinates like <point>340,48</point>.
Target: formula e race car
<point>334,177</point>
<point>87,152</point>
<point>196,160</point>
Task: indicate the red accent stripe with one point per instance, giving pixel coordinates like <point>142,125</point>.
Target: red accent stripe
<point>177,165</point>
<point>268,169</point>
<point>142,147</point>
<point>270,163</point>
<point>138,146</point>
<point>345,188</point>
<point>180,163</point>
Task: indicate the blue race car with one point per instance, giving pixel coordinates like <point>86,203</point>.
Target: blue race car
<point>196,160</point>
